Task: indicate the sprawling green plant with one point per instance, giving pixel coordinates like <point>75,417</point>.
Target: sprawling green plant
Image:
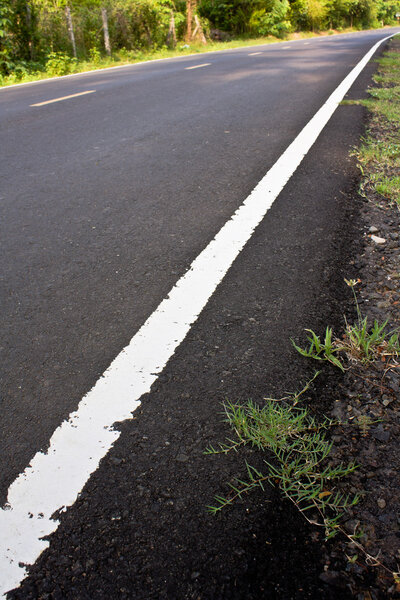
<point>298,448</point>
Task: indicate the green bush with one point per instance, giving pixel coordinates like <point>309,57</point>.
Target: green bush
<point>59,64</point>
<point>94,56</point>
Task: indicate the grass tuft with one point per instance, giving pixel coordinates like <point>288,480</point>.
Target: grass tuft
<point>361,342</point>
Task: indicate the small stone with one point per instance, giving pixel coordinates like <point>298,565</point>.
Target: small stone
<point>373,229</point>
<point>182,458</point>
<point>378,240</point>
<point>351,525</point>
<point>380,434</point>
<point>334,579</point>
<point>383,304</point>
<point>381,503</point>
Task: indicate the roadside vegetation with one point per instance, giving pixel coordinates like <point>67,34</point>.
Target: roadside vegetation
<point>298,446</point>
<point>313,461</point>
<point>362,342</point>
<point>299,450</point>
<point>45,38</point>
<point>379,156</point>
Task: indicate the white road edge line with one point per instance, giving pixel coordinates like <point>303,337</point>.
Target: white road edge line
<point>53,481</point>
<point>63,98</point>
<point>254,53</point>
<point>197,66</point>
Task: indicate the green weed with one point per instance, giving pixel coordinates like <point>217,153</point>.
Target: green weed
<point>321,350</point>
<point>298,447</point>
<point>361,342</point>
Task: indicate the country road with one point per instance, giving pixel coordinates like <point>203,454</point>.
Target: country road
<point>111,184</point>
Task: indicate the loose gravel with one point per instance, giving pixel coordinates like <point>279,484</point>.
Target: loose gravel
<point>368,398</point>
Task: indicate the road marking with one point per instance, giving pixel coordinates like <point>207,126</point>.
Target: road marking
<point>54,479</point>
<point>63,98</point>
<point>198,66</point>
<point>254,53</point>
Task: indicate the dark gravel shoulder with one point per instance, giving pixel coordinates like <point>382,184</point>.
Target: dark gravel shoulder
<point>368,398</point>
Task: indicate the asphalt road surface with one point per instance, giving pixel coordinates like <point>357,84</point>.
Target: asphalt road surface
<point>106,199</point>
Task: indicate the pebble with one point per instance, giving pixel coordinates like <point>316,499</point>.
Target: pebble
<point>182,458</point>
<point>380,434</point>
<point>373,229</point>
<point>333,578</point>
<point>378,240</point>
<point>383,304</point>
<point>381,503</point>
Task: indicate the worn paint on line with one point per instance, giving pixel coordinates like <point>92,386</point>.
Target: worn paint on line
<point>53,480</point>
<point>197,66</point>
<point>63,98</point>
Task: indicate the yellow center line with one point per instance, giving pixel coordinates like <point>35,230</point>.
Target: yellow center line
<point>198,66</point>
<point>64,98</point>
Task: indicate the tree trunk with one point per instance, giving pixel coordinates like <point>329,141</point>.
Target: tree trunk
<point>148,35</point>
<point>171,37</point>
<point>107,44</point>
<point>29,26</point>
<point>189,18</point>
<point>70,29</point>
<point>199,31</point>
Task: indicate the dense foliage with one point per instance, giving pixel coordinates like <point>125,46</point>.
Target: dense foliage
<point>52,34</point>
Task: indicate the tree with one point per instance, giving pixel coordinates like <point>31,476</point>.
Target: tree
<point>273,20</point>
<point>231,15</point>
<point>5,38</point>
<point>308,14</point>
<point>386,11</point>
